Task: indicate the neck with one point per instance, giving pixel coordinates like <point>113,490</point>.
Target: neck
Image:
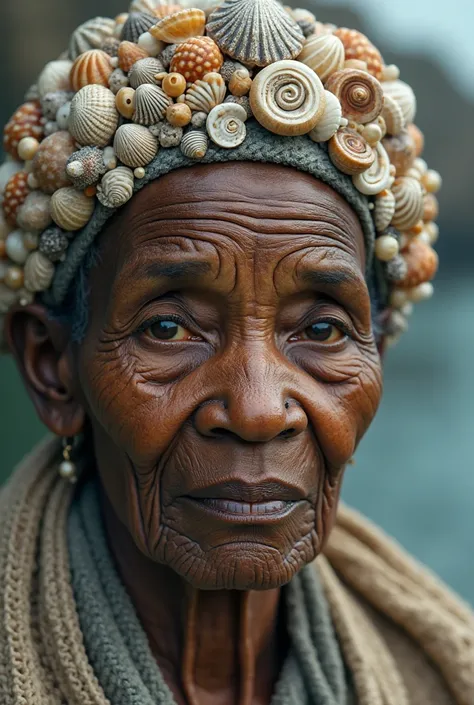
<point>220,647</point>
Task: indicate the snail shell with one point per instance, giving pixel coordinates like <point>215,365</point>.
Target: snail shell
<point>180,26</point>
<point>323,54</point>
<point>137,23</point>
<point>144,71</point>
<point>206,93</point>
<point>116,187</point>
<point>402,94</point>
<point>90,35</point>
<point>422,264</point>
<point>71,209</point>
<point>135,146</point>
<point>93,118</point>
<point>288,98</point>
<point>357,46</point>
<point>384,210</point>
<point>350,153</point>
<point>151,103</point>
<point>226,125</point>
<point>55,77</point>
<point>378,177</point>
<point>359,93</point>
<point>93,67</point>
<point>409,195</point>
<point>39,272</point>
<point>194,144</point>
<point>331,120</point>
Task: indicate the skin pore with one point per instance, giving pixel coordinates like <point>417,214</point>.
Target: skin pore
<point>228,372</point>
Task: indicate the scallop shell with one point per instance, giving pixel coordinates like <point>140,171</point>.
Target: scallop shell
<point>135,146</point>
<point>393,116</point>
<point>179,27</point>
<point>93,67</point>
<point>357,46</point>
<point>288,98</point>
<point>403,94</point>
<point>49,164</point>
<point>55,77</point>
<point>376,178</point>
<point>39,272</point>
<point>196,57</point>
<point>90,35</point>
<point>330,121</point>
<point>422,264</point>
<point>359,93</point>
<point>206,93</point>
<point>128,54</point>
<point>384,210</point>
<point>137,23</point>
<point>150,105</point>
<point>194,144</point>
<point>408,194</point>
<point>93,118</point>
<point>25,122</point>
<point>116,188</point>
<point>401,150</point>
<point>255,32</point>
<point>226,125</point>
<point>71,209</point>
<point>144,71</point>
<point>324,54</point>
<point>350,153</point>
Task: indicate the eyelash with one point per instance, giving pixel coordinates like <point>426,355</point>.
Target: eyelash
<point>157,319</point>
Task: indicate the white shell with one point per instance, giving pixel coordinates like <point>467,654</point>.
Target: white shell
<point>55,77</point>
<point>384,210</point>
<point>39,272</point>
<point>144,71</point>
<point>206,93</point>
<point>15,247</point>
<point>403,94</point>
<point>71,210</point>
<point>393,116</point>
<point>116,187</point>
<point>90,35</point>
<point>330,121</point>
<point>194,144</point>
<point>324,54</point>
<point>135,146</point>
<point>148,43</point>
<point>378,176</point>
<point>93,118</point>
<point>409,195</point>
<point>226,125</point>
<point>150,104</point>
<point>288,98</point>
<point>7,170</point>
<point>62,116</point>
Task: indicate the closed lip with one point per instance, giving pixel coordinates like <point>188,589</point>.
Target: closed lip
<point>238,491</point>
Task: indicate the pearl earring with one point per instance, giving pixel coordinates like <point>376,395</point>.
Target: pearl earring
<point>68,469</point>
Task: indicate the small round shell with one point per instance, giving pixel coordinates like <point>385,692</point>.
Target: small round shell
<point>226,125</point>
<point>350,153</point>
<point>49,164</point>
<point>135,146</point>
<point>384,210</point>
<point>34,215</point>
<point>240,82</point>
<point>180,26</point>
<point>196,57</point>
<point>357,46</point>
<point>93,118</point>
<point>144,71</point>
<point>377,177</point>
<point>55,77</point>
<point>174,85</point>
<point>151,103</point>
<point>288,98</point>
<point>125,102</point>
<point>14,196</point>
<point>128,54</point>
<point>15,247</point>
<point>408,194</point>
<point>393,116</point>
<point>194,144</point>
<point>359,93</point>
<point>53,244</point>
<point>52,102</point>
<point>25,122</point>
<point>93,67</point>
<point>71,210</point>
<point>85,167</point>
<point>116,187</point>
<point>90,35</point>
<point>330,121</point>
<point>39,272</point>
<point>323,54</point>
<point>137,23</point>
<point>422,264</point>
<point>402,94</point>
<point>206,93</point>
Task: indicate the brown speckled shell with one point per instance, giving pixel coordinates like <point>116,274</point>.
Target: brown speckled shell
<point>91,68</point>
<point>357,46</point>
<point>25,122</point>
<point>402,151</point>
<point>196,57</point>
<point>14,196</point>
<point>359,93</point>
<point>128,54</point>
<point>49,164</point>
<point>350,153</point>
<point>422,264</point>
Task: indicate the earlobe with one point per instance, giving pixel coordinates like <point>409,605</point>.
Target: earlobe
<point>42,352</point>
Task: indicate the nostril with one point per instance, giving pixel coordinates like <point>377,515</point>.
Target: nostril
<point>287,433</point>
<point>287,404</point>
<point>221,432</point>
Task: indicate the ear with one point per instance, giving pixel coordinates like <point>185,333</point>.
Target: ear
<point>45,359</point>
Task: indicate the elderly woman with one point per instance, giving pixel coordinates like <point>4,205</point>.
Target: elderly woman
<point>199,313</point>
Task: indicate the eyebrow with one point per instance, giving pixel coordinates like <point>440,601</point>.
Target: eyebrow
<point>176,270</point>
<point>321,278</point>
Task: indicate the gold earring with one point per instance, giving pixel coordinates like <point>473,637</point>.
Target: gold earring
<point>67,468</point>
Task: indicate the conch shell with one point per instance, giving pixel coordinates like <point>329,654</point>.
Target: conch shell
<point>93,67</point>
<point>350,153</point>
<point>226,125</point>
<point>378,177</point>
<point>116,187</point>
<point>194,144</point>
<point>206,93</point>
<point>70,209</point>
<point>179,27</point>
<point>93,118</point>
<point>90,35</point>
<point>331,120</point>
<point>384,210</point>
<point>39,272</point>
<point>409,195</point>
<point>403,94</point>
<point>151,103</point>
<point>323,54</point>
<point>422,263</point>
<point>359,93</point>
<point>135,146</point>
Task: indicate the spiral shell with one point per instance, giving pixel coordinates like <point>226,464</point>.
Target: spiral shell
<point>182,25</point>
<point>401,150</point>
<point>151,103</point>
<point>422,264</point>
<point>226,125</point>
<point>378,177</point>
<point>330,121</point>
<point>25,122</point>
<point>357,46</point>
<point>402,94</point>
<point>93,118</point>
<point>128,54</point>
<point>71,209</point>
<point>137,23</point>
<point>49,164</point>
<point>39,272</point>
<point>85,167</point>
<point>55,77</point>
<point>323,54</point>
<point>14,196</point>
<point>206,93</point>
<point>90,35</point>
<point>116,187</point>
<point>194,144</point>
<point>384,210</point>
<point>350,153</point>
<point>34,215</point>
<point>255,32</point>
<point>196,57</point>
<point>393,116</point>
<point>408,194</point>
<point>135,146</point>
<point>144,71</point>
<point>93,67</point>
<point>359,93</point>
<point>288,98</point>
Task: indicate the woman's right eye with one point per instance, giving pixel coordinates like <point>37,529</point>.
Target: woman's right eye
<point>168,330</point>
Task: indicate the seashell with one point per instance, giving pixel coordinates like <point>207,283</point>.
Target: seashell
<point>417,137</point>
<point>144,71</point>
<point>128,54</point>
<point>395,271</point>
<point>359,93</point>
<point>422,264</point>
<point>408,194</point>
<point>194,144</point>
<point>137,23</point>
<point>116,187</point>
<point>243,100</point>
<point>158,8</point>
<point>324,54</point>
<point>255,32</point>
<point>377,177</point>
<point>401,150</point>
<point>119,23</point>
<point>384,210</point>
<point>206,93</point>
<point>14,196</point>
<point>198,119</point>
<point>404,96</point>
<point>39,272</point>
<point>55,77</point>
<point>7,169</point>
<point>50,128</point>
<point>386,248</point>
<point>179,114</point>
<point>167,54</point>
<point>135,146</point>
<point>85,167</point>
<point>90,35</point>
<point>196,57</point>
<point>14,279</point>
<point>393,116</point>
<point>93,118</point>
<point>150,105</point>
<point>357,46</point>
<point>34,215</point>
<point>355,64</point>
<point>15,247</point>
<point>110,45</point>
<point>372,132</point>
<point>174,85</point>
<point>71,209</point>
<point>62,117</point>
<point>25,122</point>
<point>180,26</point>
<point>288,98</point>
<point>52,102</point>
<point>226,125</point>
<point>148,43</point>
<point>170,135</point>
<point>125,102</point>
<point>240,82</point>
<point>330,121</point>
<point>53,244</point>
<point>305,20</point>
<point>430,208</point>
<point>117,81</point>
<point>350,153</point>
<point>93,67</point>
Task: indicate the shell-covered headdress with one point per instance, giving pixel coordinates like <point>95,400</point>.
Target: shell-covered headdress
<point>166,76</point>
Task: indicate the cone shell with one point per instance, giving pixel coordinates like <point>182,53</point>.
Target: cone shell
<point>39,272</point>
<point>384,210</point>
<point>128,54</point>
<point>403,94</point>
<point>408,194</point>
<point>135,146</point>
<point>180,26</point>
<point>350,153</point>
<point>93,118</point>
<point>402,151</point>
<point>206,93</point>
<point>357,46</point>
<point>422,264</point>
<point>55,77</point>
<point>393,116</point>
<point>196,57</point>
<point>137,23</point>
<point>377,177</point>
<point>93,67</point>
<point>359,93</point>
<point>49,164</point>
<point>14,196</point>
<point>90,35</point>
<point>324,54</point>
<point>226,125</point>
<point>144,71</point>
<point>255,32</point>
<point>194,144</point>
<point>151,103</point>
<point>330,121</point>
<point>71,210</point>
<point>25,122</point>
<point>116,187</point>
<point>288,98</point>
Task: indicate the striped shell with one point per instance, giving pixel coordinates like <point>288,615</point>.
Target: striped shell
<point>255,32</point>
<point>151,103</point>
<point>422,263</point>
<point>194,144</point>
<point>226,125</point>
<point>393,115</point>
<point>144,71</point>
<point>408,194</point>
<point>116,187</point>
<point>330,121</point>
<point>357,46</point>
<point>359,93</point>
<point>402,94</point>
<point>93,118</point>
<point>377,177</point>
<point>55,77</point>
<point>206,93</point>
<point>180,26</point>
<point>196,57</point>
<point>137,23</point>
<point>135,146</point>
<point>93,67</point>
<point>323,54</point>
<point>90,35</point>
<point>350,153</point>
<point>71,210</point>
<point>288,98</point>
<point>384,210</point>
<point>128,54</point>
<point>39,272</point>
<point>49,164</point>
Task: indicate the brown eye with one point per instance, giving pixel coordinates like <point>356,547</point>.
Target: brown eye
<point>168,330</point>
<point>324,332</point>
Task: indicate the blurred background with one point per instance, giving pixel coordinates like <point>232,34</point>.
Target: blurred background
<point>414,472</point>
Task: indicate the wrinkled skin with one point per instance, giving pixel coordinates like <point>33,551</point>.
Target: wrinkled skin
<point>270,379</point>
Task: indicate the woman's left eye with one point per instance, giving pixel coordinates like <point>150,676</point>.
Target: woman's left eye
<point>168,330</point>
<point>322,332</point>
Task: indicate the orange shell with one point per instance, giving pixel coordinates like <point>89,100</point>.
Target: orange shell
<point>25,122</point>
<point>14,196</point>
<point>180,26</point>
<point>360,94</point>
<point>350,153</point>
<point>402,151</point>
<point>418,138</point>
<point>430,208</point>
<point>357,46</point>
<point>92,67</point>
<point>128,54</point>
<point>196,57</point>
<point>165,10</point>
<point>49,164</point>
<point>422,263</point>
